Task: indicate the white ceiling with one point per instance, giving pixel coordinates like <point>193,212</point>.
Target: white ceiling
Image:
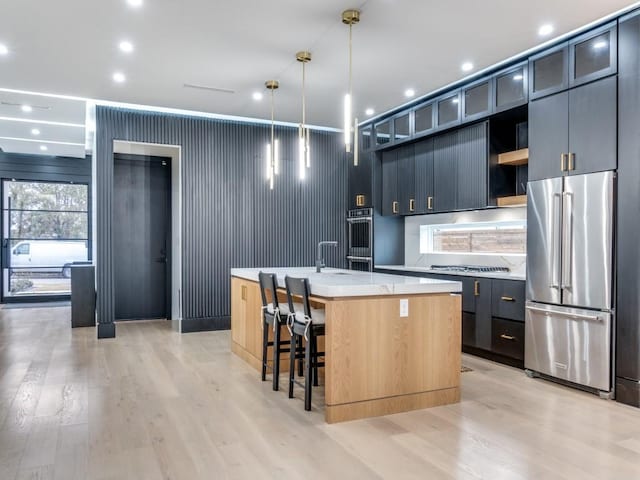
<point>71,47</point>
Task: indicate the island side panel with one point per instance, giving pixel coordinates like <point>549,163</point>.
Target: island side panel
<point>379,363</point>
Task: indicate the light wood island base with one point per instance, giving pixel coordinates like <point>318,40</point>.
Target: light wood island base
<point>376,362</point>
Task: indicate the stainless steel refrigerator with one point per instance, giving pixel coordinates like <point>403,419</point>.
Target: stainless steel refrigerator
<point>569,315</point>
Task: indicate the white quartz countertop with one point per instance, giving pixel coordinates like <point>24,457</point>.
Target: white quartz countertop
<point>333,282</point>
<point>499,275</point>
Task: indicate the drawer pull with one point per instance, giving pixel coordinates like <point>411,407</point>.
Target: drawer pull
<point>476,288</point>
<point>508,299</point>
<point>507,337</point>
<point>360,200</point>
<point>243,292</point>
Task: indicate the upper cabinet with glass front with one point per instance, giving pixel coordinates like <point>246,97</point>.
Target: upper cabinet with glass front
<point>366,140</point>
<point>476,99</point>
<point>423,121</point>
<point>401,127</point>
<point>448,110</point>
<point>383,132</point>
<point>511,86</point>
<point>549,71</point>
<point>593,55</point>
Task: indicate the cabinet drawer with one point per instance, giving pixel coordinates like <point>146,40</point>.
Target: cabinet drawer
<point>507,338</point>
<point>508,299</point>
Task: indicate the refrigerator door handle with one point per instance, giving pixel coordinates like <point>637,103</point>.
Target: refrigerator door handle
<point>567,239</point>
<point>555,245</point>
<point>576,316</point>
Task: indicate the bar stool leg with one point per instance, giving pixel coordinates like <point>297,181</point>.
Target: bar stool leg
<point>265,339</point>
<point>308,372</point>
<point>292,362</point>
<point>276,355</point>
<point>315,361</point>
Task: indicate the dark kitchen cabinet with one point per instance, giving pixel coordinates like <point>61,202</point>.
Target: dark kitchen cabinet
<point>574,132</point>
<point>445,172</point>
<point>593,55</point>
<point>507,338</point>
<point>406,180</point>
<point>511,88</point>
<point>448,110</point>
<point>476,100</point>
<point>476,300</point>
<point>401,127</point>
<point>508,299</point>
<point>383,132</point>
<point>366,138</point>
<point>423,119</point>
<point>472,167</point>
<point>549,71</point>
<point>548,136</point>
<point>593,127</point>
<point>390,200</point>
<point>424,176</point>
<point>361,181</point>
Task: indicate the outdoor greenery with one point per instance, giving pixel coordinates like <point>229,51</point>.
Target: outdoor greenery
<point>47,210</point>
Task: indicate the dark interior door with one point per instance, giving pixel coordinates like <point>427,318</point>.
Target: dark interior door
<point>141,210</point>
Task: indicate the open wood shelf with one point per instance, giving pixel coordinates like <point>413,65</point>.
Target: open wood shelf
<point>517,157</point>
<point>514,201</point>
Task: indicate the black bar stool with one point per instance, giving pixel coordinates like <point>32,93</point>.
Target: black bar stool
<point>308,323</point>
<point>274,317</point>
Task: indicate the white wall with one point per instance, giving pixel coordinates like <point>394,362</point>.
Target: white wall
<point>413,257</point>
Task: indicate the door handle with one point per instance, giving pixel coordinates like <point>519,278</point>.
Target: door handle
<point>563,162</point>
<point>508,337</point>
<point>476,288</point>
<point>508,299</point>
<point>394,207</point>
<point>360,200</point>
<point>412,205</point>
<point>430,203</point>
<point>567,252</point>
<point>555,247</point>
<point>243,292</point>
<point>572,157</point>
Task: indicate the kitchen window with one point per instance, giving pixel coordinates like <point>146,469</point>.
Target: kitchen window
<point>482,238</point>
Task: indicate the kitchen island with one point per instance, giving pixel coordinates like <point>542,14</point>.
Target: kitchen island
<point>392,343</point>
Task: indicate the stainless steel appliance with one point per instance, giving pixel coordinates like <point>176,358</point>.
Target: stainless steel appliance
<point>469,268</point>
<point>360,235</point>
<point>569,310</point>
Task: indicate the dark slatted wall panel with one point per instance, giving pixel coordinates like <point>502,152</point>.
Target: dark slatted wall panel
<point>230,217</point>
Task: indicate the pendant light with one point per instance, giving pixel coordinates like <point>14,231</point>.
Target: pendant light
<point>304,152</point>
<point>350,17</point>
<point>273,155</point>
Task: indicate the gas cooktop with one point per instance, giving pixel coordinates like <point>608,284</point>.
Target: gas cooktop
<point>470,268</point>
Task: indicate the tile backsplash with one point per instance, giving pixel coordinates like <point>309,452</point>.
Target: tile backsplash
<point>413,257</point>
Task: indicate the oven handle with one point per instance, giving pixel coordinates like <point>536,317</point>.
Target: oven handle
<point>359,259</point>
<point>359,220</point>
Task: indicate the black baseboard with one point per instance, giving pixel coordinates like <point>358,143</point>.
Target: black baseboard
<point>628,392</point>
<point>494,357</point>
<point>106,330</point>
<point>190,325</point>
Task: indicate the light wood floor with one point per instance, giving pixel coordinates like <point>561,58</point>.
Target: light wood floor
<point>156,404</point>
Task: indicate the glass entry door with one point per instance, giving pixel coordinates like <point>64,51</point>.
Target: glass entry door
<point>45,231</point>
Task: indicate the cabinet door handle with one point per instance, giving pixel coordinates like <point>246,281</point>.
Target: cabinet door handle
<point>572,157</point>
<point>412,205</point>
<point>394,207</point>
<point>243,292</point>
<point>476,288</point>
<point>563,161</point>
<point>430,203</point>
<point>508,337</point>
<point>360,200</point>
<point>508,299</point>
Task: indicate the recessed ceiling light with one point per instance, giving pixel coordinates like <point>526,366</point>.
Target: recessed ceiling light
<point>257,96</point>
<point>467,66</point>
<point>3,49</point>
<point>35,131</point>
<point>409,92</point>
<point>517,77</point>
<point>26,108</point>
<point>369,111</point>
<point>135,3</point>
<point>126,47</point>
<point>119,77</point>
<point>600,44</point>
<point>545,30</point>
<point>43,148</point>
